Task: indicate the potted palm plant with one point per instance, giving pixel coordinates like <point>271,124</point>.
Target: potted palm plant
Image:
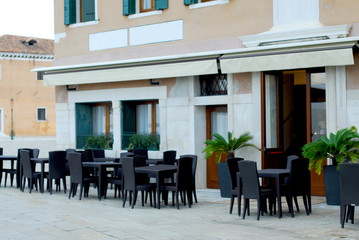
<point>219,146</point>
<point>340,147</point>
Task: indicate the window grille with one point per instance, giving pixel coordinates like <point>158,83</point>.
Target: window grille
<point>213,85</point>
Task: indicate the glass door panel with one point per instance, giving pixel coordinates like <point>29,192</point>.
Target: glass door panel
<point>318,108</point>
<point>271,111</point>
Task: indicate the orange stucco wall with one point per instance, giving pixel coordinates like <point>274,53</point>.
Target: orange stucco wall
<point>18,83</point>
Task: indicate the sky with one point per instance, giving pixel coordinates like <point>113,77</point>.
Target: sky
<point>31,18</point>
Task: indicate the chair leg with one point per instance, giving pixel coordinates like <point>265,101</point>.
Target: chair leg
<point>189,197</point>
<point>342,214</point>
<point>245,208</point>
<point>177,199</point>
<point>81,189</point>
<point>239,204</point>
<point>64,183</point>
<point>143,198</point>
<point>134,193</point>
<point>124,198</point>
<point>306,204</point>
<point>231,204</point>
<point>259,208</point>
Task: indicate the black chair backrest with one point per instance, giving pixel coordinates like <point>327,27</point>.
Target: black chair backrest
<point>75,165</point>
<point>289,160</point>
<point>141,152</point>
<point>169,157</point>
<point>36,152</point>
<point>57,164</point>
<point>126,154</point>
<point>184,173</point>
<point>299,175</point>
<point>90,155</point>
<point>349,184</point>
<point>98,153</point>
<point>232,166</point>
<point>69,150</point>
<point>26,163</point>
<point>1,151</point>
<point>194,164</point>
<point>128,170</point>
<point>249,179</point>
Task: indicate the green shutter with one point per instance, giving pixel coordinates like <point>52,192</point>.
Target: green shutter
<point>128,122</point>
<point>69,12</point>
<point>83,124</point>
<point>88,10</point>
<point>189,2</point>
<point>129,7</point>
<point>161,4</point>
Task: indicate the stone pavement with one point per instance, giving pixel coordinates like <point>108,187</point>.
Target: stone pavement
<point>44,216</point>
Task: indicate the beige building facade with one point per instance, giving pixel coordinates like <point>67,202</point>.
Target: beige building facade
<point>285,70</point>
<point>26,106</point>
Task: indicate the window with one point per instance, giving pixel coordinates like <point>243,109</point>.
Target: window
<point>147,5</point>
<point>141,6</point>
<point>93,119</point>
<point>139,117</point>
<point>213,84</point>
<point>78,11</point>
<point>204,3</point>
<point>41,114</point>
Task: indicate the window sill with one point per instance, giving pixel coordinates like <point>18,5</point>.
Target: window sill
<point>83,24</point>
<point>145,14</point>
<point>208,4</point>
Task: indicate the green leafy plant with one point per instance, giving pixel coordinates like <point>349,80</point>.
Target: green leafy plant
<point>144,141</point>
<point>340,147</point>
<point>103,142</point>
<point>219,145</point>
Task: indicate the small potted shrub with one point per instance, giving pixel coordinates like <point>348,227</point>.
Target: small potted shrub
<point>340,147</point>
<point>144,141</point>
<point>220,146</point>
<point>99,142</point>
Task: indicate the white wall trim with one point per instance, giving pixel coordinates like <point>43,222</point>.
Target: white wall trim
<point>208,4</point>
<point>145,14</point>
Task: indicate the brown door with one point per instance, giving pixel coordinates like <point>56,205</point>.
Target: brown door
<point>316,120</point>
<point>272,120</point>
<point>216,122</point>
<point>293,114</point>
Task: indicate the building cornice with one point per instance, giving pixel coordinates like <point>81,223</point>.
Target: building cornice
<point>25,56</point>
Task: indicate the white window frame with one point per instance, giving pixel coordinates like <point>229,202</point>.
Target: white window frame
<point>208,4</point>
<point>37,114</point>
<point>0,72</point>
<point>78,20</point>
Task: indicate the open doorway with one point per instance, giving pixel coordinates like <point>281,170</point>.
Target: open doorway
<point>293,114</point>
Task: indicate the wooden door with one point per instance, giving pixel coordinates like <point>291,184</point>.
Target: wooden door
<point>272,120</point>
<point>216,122</point>
<point>316,120</point>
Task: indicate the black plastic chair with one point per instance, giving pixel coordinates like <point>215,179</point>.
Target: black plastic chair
<point>19,169</point>
<point>133,183</point>
<point>232,166</point>
<point>349,194</point>
<point>98,153</point>
<point>78,176</point>
<point>28,171</point>
<point>194,168</point>
<point>141,152</point>
<point>299,184</point>
<point>183,183</point>
<point>169,157</point>
<point>252,189</point>
<point>57,169</point>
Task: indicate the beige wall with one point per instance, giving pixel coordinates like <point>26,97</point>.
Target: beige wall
<point>203,30</point>
<point>19,83</point>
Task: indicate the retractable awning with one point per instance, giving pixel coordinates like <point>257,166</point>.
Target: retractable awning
<point>288,58</point>
<point>128,71</point>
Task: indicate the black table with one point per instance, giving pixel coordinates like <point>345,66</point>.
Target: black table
<point>107,159</point>
<point>157,171</point>
<point>42,162</point>
<point>278,175</point>
<point>8,158</point>
<point>101,166</point>
<point>154,161</point>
